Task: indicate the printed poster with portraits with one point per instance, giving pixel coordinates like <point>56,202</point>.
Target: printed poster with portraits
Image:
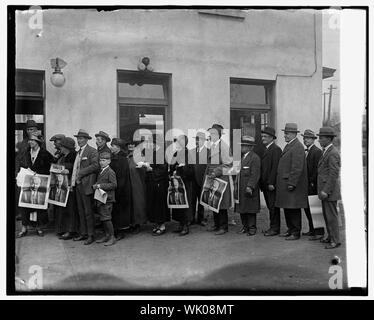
<point>34,191</point>
<point>177,194</point>
<point>59,186</point>
<point>212,193</point>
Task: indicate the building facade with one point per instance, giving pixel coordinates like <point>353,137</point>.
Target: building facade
<point>242,69</point>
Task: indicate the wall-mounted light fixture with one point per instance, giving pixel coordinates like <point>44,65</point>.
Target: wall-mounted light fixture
<point>57,77</point>
<point>144,65</point>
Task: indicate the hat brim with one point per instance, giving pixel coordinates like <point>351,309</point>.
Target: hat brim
<point>82,136</point>
<point>270,134</point>
<point>308,136</point>
<point>327,134</point>
<point>288,130</point>
<point>247,143</point>
<point>106,138</point>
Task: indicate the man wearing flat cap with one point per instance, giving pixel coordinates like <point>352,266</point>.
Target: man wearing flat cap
<point>102,138</point>
<point>312,154</point>
<point>269,167</point>
<point>86,165</point>
<point>329,185</point>
<point>292,182</point>
<point>56,139</point>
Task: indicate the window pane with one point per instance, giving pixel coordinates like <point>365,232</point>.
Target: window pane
<point>146,91</point>
<point>247,94</point>
<point>29,82</point>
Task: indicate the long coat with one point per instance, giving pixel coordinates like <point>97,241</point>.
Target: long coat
<point>220,162</point>
<point>312,159</point>
<point>292,171</point>
<point>249,176</point>
<point>328,174</point>
<point>89,166</point>
<point>41,164</point>
<point>121,215</point>
<point>269,166</point>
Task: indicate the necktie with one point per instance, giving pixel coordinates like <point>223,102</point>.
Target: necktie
<point>76,168</point>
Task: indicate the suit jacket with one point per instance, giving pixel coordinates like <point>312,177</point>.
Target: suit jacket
<point>312,160</point>
<point>269,166</point>
<point>108,183</point>
<point>40,196</point>
<point>201,160</point>
<point>89,166</point>
<point>292,172</point>
<point>61,197</point>
<point>328,174</point>
<point>249,176</point>
<point>219,162</point>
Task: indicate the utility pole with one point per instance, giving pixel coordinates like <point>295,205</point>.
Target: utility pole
<point>324,109</point>
<point>329,107</point>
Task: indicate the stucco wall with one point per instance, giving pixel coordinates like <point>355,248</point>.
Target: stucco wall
<point>201,52</point>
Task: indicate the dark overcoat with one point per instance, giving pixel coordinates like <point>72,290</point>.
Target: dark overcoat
<point>329,174</point>
<point>312,159</point>
<point>249,176</point>
<point>269,166</point>
<point>292,171</point>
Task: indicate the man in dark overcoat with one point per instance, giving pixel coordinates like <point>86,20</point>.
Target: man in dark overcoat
<point>269,167</point>
<point>292,182</point>
<point>329,186</point>
<point>312,155</point>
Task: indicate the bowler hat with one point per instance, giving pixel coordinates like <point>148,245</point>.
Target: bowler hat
<point>218,127</point>
<point>68,143</point>
<point>36,137</point>
<point>270,131</point>
<point>309,134</point>
<point>327,131</point>
<point>103,135</point>
<point>290,127</point>
<point>31,124</point>
<point>248,140</point>
<point>58,136</point>
<point>105,155</point>
<point>82,133</point>
<point>200,135</point>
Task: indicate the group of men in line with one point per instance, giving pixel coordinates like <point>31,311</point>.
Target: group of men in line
<point>286,178</point>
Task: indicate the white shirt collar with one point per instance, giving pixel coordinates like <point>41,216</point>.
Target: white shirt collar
<point>292,140</point>
<point>267,147</point>
<point>330,145</point>
<point>201,148</point>
<point>82,148</point>
<point>246,154</point>
<point>102,170</point>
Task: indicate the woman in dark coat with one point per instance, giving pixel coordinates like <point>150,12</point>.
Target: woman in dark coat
<point>182,168</point>
<point>121,214</point>
<point>67,219</point>
<point>157,185</point>
<point>38,160</point>
<point>138,194</point>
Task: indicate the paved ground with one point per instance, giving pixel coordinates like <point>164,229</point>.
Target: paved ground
<point>200,260</point>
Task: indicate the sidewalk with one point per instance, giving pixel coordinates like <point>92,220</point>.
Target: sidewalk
<point>199,261</point>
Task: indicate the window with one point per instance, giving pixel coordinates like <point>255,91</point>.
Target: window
<point>29,100</point>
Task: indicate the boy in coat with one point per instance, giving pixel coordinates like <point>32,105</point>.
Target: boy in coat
<point>329,186</point>
<point>312,155</point>
<point>106,180</point>
<point>292,182</point>
<point>246,186</point>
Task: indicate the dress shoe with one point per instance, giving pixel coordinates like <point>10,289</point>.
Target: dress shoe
<point>184,232</point>
<point>243,230</point>
<point>270,233</point>
<point>89,240</point>
<point>220,232</point>
<point>293,237</point>
<point>211,229</point>
<point>332,245</point>
<point>286,234</point>
<point>309,233</point>
<point>326,240</point>
<point>22,234</point>
<point>40,233</point>
<point>67,236</point>
<point>314,238</point>
<point>111,241</point>
<point>251,232</point>
<point>102,240</point>
<point>80,238</point>
<point>120,236</point>
<point>178,230</point>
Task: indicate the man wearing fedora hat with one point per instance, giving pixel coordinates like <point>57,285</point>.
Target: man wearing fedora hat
<point>292,182</point>
<point>102,138</point>
<point>329,185</point>
<point>85,167</point>
<point>269,166</point>
<point>312,154</point>
<point>246,190</point>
